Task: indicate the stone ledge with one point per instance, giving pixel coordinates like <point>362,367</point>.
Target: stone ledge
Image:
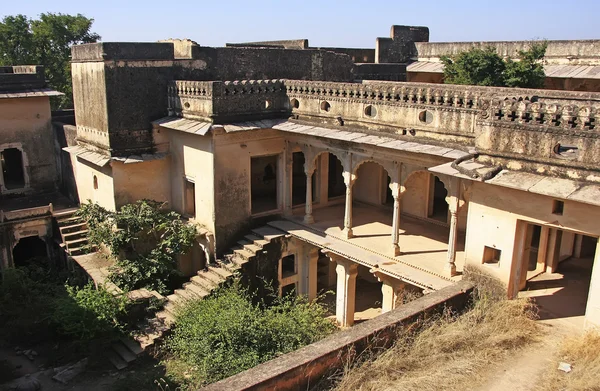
<point>303,367</point>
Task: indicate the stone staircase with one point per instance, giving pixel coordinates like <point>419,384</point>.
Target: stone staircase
<point>199,286</point>
<point>73,230</point>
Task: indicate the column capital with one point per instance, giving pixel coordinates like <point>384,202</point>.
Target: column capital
<point>387,279</point>
<point>346,263</point>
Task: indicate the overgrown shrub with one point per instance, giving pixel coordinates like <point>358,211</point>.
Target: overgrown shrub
<point>144,239</point>
<point>226,333</point>
<point>485,67</point>
<point>26,304</point>
<point>87,312</point>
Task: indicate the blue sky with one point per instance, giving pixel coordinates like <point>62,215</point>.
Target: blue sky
<point>325,22</point>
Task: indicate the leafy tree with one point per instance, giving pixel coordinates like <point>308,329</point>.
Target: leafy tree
<point>484,67</point>
<point>46,41</point>
<point>145,239</point>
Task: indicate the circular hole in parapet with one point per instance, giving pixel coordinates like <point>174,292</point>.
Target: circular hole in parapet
<point>267,104</point>
<point>294,103</point>
<point>325,106</point>
<point>426,117</point>
<point>186,105</point>
<point>370,111</point>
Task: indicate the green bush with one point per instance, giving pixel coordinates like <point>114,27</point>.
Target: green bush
<point>485,67</point>
<point>88,312</point>
<point>226,333</point>
<point>145,240</point>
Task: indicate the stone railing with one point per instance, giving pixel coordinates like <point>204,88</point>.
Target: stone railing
<point>551,115</point>
<point>444,112</point>
<point>227,101</point>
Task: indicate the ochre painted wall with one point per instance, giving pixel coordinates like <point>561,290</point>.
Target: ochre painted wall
<point>145,180</point>
<point>84,176</point>
<point>25,123</point>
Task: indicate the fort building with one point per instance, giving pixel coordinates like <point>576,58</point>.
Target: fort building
<point>340,168</point>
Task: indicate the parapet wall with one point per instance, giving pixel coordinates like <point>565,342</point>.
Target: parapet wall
<point>553,130</point>
<point>577,52</point>
<point>21,77</point>
<point>303,368</point>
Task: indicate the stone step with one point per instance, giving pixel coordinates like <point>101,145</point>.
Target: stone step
<point>70,236</point>
<point>217,279</point>
<point>77,250</point>
<point>268,233</point>
<point>171,308</point>
<point>220,271</point>
<point>73,227</point>
<point>186,295</point>
<point>116,360</point>
<point>205,283</point>
<point>175,299</point>
<point>228,265</point>
<point>123,352</point>
<point>76,242</point>
<point>133,346</point>
<point>259,241</point>
<point>196,289</point>
<point>245,254</point>
<point>250,246</point>
<point>69,220</point>
<point>65,212</point>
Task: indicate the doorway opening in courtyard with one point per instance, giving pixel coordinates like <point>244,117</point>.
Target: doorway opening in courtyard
<point>264,183</point>
<point>558,268</point>
<point>438,207</point>
<point>299,181</point>
<point>335,181</point>
<point>31,249</point>
<point>12,168</point>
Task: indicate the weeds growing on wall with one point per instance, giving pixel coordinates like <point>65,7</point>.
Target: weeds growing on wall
<point>227,333</point>
<point>145,240</point>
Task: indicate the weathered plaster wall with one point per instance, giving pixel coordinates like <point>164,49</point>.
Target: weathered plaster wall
<point>84,175</point>
<point>192,158</point>
<point>25,123</point>
<point>145,180</point>
<point>416,197</point>
<point>494,213</point>
<point>370,186</point>
<point>573,52</point>
<point>90,102</point>
<point>232,179</point>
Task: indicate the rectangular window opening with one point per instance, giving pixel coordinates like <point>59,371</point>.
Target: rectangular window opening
<point>190,198</point>
<point>288,266</point>
<point>491,255</point>
<point>558,207</point>
<point>289,289</point>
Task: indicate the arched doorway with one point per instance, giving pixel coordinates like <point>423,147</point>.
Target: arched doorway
<point>28,250</point>
<point>299,181</point>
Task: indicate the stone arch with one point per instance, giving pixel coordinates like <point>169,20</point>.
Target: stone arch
<point>29,248</point>
<point>378,192</point>
<point>335,188</point>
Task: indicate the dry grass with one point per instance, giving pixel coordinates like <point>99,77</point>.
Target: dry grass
<point>583,353</point>
<point>451,352</point>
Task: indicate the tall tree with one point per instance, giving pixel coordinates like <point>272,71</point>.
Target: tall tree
<point>484,67</point>
<point>46,41</point>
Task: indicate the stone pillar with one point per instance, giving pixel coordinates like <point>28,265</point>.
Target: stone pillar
<point>312,275</point>
<point>349,181</point>
<point>308,217</point>
<point>391,289</point>
<point>453,205</point>
<point>345,296</point>
<point>396,219</point>
<point>287,183</point>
